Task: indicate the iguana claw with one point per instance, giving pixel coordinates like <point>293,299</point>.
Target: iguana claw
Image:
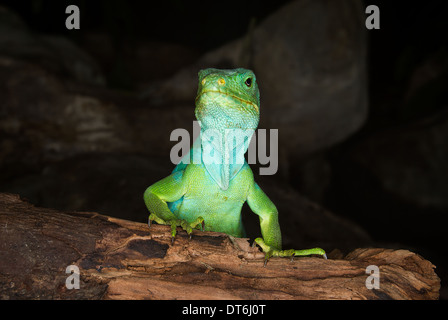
<point>188,227</point>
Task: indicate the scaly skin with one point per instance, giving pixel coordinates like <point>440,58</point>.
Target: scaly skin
<point>210,196</point>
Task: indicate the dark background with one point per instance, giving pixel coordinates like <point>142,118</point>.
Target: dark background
<point>410,36</point>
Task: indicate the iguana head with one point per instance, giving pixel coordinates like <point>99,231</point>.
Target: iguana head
<point>228,99</point>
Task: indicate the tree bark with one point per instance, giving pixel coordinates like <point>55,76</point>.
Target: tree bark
<point>119,259</point>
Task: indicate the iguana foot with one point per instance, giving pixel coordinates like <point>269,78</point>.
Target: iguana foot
<point>270,252</point>
<point>187,226</point>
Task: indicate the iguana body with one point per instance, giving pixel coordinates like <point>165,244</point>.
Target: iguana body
<point>211,191</point>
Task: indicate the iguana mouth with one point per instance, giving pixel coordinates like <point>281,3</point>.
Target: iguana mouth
<point>230,95</point>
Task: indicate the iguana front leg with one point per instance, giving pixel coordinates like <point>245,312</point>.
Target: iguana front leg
<point>271,243</point>
<point>169,189</point>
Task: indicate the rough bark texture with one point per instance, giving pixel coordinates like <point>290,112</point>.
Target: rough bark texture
<point>120,259</point>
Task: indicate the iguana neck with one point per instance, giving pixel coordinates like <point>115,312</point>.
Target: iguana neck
<point>222,152</point>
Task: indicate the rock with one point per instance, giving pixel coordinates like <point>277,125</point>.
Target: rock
<point>42,121</point>
<point>409,161</point>
<point>140,60</point>
<point>54,53</point>
<point>311,73</point>
<point>73,61</point>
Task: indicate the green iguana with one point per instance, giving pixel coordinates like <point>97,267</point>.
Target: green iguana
<point>209,193</point>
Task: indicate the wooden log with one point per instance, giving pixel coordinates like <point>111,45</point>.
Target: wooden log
<point>119,259</point>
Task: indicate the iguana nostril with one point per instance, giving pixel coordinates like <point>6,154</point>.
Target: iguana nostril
<point>221,81</point>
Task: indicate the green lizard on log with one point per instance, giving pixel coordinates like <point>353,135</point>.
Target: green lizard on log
<point>208,188</point>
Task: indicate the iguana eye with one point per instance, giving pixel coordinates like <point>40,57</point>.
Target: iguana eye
<point>248,82</point>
